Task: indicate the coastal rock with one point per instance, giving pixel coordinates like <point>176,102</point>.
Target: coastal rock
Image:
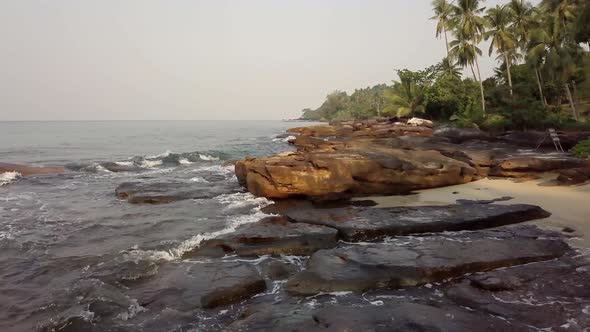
<point>420,122</point>
<point>460,135</point>
<point>164,192</point>
<point>25,170</point>
<point>573,176</point>
<point>544,295</point>
<point>355,170</point>
<point>395,317</point>
<point>412,262</point>
<point>320,131</point>
<point>186,286</point>
<point>531,139</point>
<point>271,236</point>
<point>360,224</point>
<point>116,168</point>
<point>526,165</point>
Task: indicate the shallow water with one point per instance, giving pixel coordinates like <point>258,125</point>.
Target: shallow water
<point>57,232</point>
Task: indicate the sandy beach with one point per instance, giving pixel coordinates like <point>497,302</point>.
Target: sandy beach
<point>570,206</point>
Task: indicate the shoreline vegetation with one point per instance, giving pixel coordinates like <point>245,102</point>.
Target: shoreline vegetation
<point>542,80</point>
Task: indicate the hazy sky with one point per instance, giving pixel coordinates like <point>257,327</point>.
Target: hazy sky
<point>202,59</point>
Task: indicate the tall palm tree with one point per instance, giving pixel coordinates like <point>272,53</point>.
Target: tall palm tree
<point>471,25</point>
<point>503,40</point>
<point>448,67</point>
<point>464,52</point>
<point>443,11</point>
<point>525,18</point>
<point>550,47</point>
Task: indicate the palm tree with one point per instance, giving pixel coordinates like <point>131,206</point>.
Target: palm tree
<point>450,68</point>
<point>470,25</point>
<point>502,38</point>
<point>405,97</point>
<point>464,52</point>
<point>443,11</point>
<point>550,47</point>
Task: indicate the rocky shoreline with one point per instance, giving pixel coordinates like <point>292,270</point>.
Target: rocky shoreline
<point>321,263</point>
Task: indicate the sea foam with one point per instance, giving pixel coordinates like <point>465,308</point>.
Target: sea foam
<point>8,177</point>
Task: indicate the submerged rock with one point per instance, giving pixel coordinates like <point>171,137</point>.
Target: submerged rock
<point>165,192</point>
<point>359,224</point>
<point>25,170</point>
<point>271,236</point>
<point>186,286</point>
<point>417,261</point>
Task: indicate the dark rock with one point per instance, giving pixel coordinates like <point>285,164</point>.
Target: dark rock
<point>415,262</point>
<point>358,224</point>
<point>272,236</point>
<point>568,230</point>
<point>165,192</point>
<point>485,201</point>
<point>186,286</point>
<point>122,271</point>
<point>545,295</point>
<point>278,270</point>
<point>460,135</point>
<point>573,176</point>
<point>400,317</point>
<point>116,168</point>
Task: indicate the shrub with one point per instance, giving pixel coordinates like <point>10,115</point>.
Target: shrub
<point>582,149</point>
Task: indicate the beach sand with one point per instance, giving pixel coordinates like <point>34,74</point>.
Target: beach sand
<point>570,206</point>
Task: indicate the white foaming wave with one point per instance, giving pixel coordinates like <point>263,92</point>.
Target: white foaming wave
<point>198,179</point>
<point>8,177</point>
<point>195,241</point>
<point>184,161</point>
<point>207,157</point>
<point>150,163</point>
<point>161,155</point>
<point>124,163</point>
<point>285,139</point>
<point>240,200</point>
<point>227,171</point>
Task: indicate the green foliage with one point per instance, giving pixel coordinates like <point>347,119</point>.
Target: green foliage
<point>582,149</point>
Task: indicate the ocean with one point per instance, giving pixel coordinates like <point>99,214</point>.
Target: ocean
<point>59,232</point>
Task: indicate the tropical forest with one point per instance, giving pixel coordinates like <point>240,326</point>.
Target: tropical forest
<point>542,79</point>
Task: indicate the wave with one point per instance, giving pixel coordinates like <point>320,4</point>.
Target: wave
<point>283,139</point>
<point>8,177</point>
<point>256,203</point>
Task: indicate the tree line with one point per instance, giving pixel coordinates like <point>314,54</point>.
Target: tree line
<point>541,79</point>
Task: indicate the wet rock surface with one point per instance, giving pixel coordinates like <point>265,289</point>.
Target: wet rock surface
<point>26,170</point>
<point>361,224</point>
<point>187,286</point>
<point>164,192</point>
<point>418,261</point>
<point>271,236</point>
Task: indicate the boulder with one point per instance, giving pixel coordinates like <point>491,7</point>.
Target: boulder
<point>526,165</point>
<point>573,176</point>
<point>412,262</point>
<point>116,168</point>
<point>354,170</point>
<point>361,224</point>
<point>272,236</point>
<point>186,286</point>
<point>417,122</point>
<point>461,135</point>
<point>25,170</point>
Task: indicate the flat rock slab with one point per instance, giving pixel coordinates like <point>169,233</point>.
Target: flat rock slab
<point>361,224</point>
<point>417,261</point>
<point>271,236</point>
<point>165,192</point>
<point>186,286</point>
<point>390,317</point>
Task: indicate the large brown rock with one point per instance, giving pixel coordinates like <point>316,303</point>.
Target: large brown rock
<point>526,165</point>
<point>361,224</point>
<point>350,170</point>
<point>411,262</point>
<point>25,170</point>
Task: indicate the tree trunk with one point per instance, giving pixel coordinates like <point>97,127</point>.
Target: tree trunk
<point>538,76</point>
<point>473,72</point>
<point>447,43</point>
<point>575,93</point>
<point>571,100</point>
<point>509,75</point>
<point>483,98</point>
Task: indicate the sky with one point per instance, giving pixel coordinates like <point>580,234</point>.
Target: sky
<point>203,59</point>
